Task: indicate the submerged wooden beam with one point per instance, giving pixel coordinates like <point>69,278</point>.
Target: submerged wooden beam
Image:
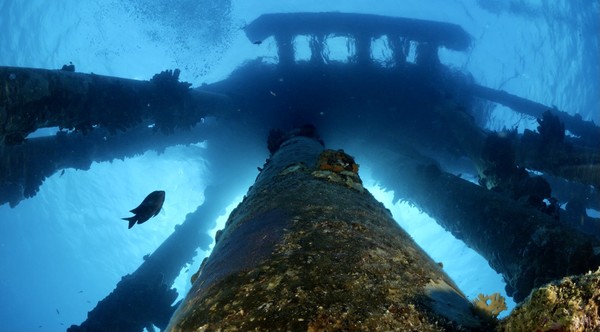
<point>310,249</point>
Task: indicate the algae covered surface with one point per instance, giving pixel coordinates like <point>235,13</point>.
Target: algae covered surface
<point>571,304</point>
<point>338,262</point>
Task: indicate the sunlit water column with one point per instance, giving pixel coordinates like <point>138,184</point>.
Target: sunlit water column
<point>309,248</point>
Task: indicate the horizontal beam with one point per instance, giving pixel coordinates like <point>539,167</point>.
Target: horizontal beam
<point>24,167</point>
<point>588,131</point>
<point>33,98</point>
<point>529,248</point>
<point>287,25</point>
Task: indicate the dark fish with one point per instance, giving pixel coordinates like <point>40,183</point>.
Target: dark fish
<point>57,312</point>
<point>149,208</point>
<point>257,42</point>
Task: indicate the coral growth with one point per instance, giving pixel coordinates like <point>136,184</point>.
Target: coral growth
<point>170,102</point>
<point>490,305</point>
<point>337,161</point>
<point>551,130</point>
<point>501,173</point>
<point>337,166</point>
<point>571,304</point>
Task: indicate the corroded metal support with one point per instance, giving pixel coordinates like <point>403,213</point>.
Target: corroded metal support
<point>145,297</point>
<point>562,159</point>
<point>362,43</point>
<point>586,130</point>
<point>285,49</point>
<point>24,167</point>
<point>400,48</point>
<point>528,247</point>
<point>310,249</point>
<point>38,98</point>
<point>571,170</point>
<point>547,150</point>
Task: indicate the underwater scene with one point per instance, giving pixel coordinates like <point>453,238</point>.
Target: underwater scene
<point>204,165</point>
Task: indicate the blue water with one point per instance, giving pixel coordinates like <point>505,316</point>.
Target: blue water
<point>66,248</point>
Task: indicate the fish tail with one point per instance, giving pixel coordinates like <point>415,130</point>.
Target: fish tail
<point>131,220</point>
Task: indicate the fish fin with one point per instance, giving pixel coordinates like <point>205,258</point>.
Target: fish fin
<point>131,220</point>
<point>141,221</point>
<point>159,211</point>
<point>162,211</point>
<point>138,208</point>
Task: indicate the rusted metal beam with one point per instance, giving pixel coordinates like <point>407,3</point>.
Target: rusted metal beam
<point>38,98</point>
<point>588,131</point>
<point>24,167</point>
<point>364,26</point>
<point>528,247</point>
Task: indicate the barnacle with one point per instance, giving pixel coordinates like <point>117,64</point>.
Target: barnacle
<point>492,305</point>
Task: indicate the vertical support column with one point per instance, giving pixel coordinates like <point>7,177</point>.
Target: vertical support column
<point>285,49</point>
<point>310,249</point>
<point>363,49</point>
<point>398,46</point>
<point>316,49</point>
<point>427,55</point>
